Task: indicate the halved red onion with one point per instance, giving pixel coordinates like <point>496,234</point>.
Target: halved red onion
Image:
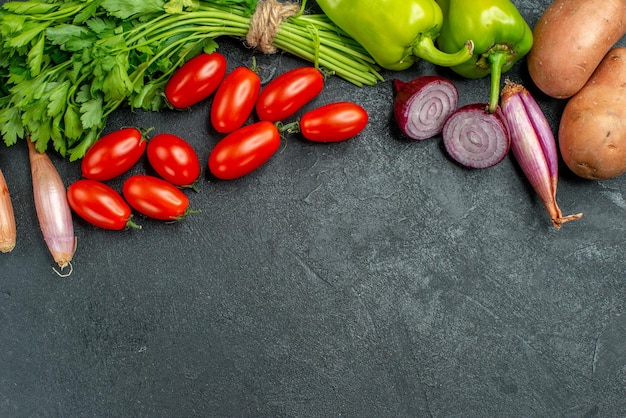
<point>422,105</point>
<point>476,138</point>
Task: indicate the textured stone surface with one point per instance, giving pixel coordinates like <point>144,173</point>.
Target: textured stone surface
<point>367,278</point>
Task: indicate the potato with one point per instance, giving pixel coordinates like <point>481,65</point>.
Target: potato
<point>592,132</point>
<point>570,39</point>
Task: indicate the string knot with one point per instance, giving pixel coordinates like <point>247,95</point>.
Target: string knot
<point>265,23</point>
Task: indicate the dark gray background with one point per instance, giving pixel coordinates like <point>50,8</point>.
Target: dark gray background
<point>367,278</point>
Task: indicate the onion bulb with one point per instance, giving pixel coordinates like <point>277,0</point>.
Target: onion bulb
<point>533,146</point>
<point>422,105</point>
<point>8,232</point>
<point>476,138</point>
<point>53,210</point>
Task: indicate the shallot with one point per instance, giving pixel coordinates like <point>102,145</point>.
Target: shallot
<point>475,137</point>
<point>533,146</point>
<point>8,232</point>
<point>422,105</point>
<point>53,209</point>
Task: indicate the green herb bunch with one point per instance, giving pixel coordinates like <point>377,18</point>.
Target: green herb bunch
<point>66,65</point>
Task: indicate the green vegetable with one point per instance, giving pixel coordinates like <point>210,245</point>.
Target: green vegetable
<point>65,65</point>
<point>501,38</point>
<point>395,32</point>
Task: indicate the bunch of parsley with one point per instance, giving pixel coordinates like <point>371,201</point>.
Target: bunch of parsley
<point>67,64</point>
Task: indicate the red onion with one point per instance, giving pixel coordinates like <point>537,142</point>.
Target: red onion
<point>533,146</point>
<point>8,232</point>
<point>422,105</point>
<point>53,210</point>
<point>476,138</point>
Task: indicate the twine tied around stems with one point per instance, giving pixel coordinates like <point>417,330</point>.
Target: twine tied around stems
<point>265,22</point>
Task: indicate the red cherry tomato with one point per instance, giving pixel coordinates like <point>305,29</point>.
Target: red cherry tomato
<point>174,159</point>
<point>100,205</point>
<point>113,154</point>
<point>234,99</point>
<point>333,122</point>
<point>288,93</point>
<point>244,150</point>
<point>155,197</point>
<point>195,80</point>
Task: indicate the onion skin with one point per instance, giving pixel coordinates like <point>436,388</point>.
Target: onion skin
<point>8,234</point>
<point>534,147</point>
<point>475,137</point>
<point>422,105</point>
<point>53,210</point>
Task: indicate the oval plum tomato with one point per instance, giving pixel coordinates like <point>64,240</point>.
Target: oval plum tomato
<point>288,93</point>
<point>244,150</point>
<point>155,197</point>
<point>195,80</point>
<point>235,99</point>
<point>113,154</point>
<point>100,205</point>
<point>174,159</point>
<point>333,122</point>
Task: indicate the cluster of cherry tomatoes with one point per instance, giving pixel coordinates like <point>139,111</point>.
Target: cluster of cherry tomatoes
<point>243,149</point>
<point>171,157</point>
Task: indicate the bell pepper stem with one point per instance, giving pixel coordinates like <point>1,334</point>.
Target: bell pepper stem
<point>496,59</point>
<point>425,48</point>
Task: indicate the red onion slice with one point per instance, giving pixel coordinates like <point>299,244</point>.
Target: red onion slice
<point>476,138</point>
<point>422,105</point>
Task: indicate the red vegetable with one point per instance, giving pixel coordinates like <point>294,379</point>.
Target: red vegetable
<point>289,92</point>
<point>235,99</point>
<point>100,205</point>
<point>244,150</point>
<point>174,159</point>
<point>476,138</point>
<point>53,211</point>
<point>195,80</point>
<point>333,122</point>
<point>534,147</point>
<point>155,197</point>
<point>8,233</point>
<point>422,105</point>
<point>113,154</point>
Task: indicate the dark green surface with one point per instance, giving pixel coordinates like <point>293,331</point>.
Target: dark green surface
<point>370,278</point>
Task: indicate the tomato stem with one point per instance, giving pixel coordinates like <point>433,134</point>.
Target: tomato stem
<point>132,225</point>
<point>291,127</point>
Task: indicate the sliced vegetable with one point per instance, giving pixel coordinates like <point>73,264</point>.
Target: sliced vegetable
<point>333,122</point>
<point>100,205</point>
<point>8,232</point>
<point>289,92</point>
<point>53,210</point>
<point>422,105</point>
<point>174,159</point>
<point>235,99</point>
<point>395,33</point>
<point>155,198</point>
<point>196,80</point>
<point>534,147</point>
<point>475,137</point>
<point>244,150</point>
<point>114,154</point>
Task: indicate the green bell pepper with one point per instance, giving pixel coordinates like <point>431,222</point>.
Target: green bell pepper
<point>395,32</point>
<point>501,38</point>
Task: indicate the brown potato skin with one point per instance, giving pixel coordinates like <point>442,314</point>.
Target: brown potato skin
<point>592,132</point>
<point>570,39</point>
